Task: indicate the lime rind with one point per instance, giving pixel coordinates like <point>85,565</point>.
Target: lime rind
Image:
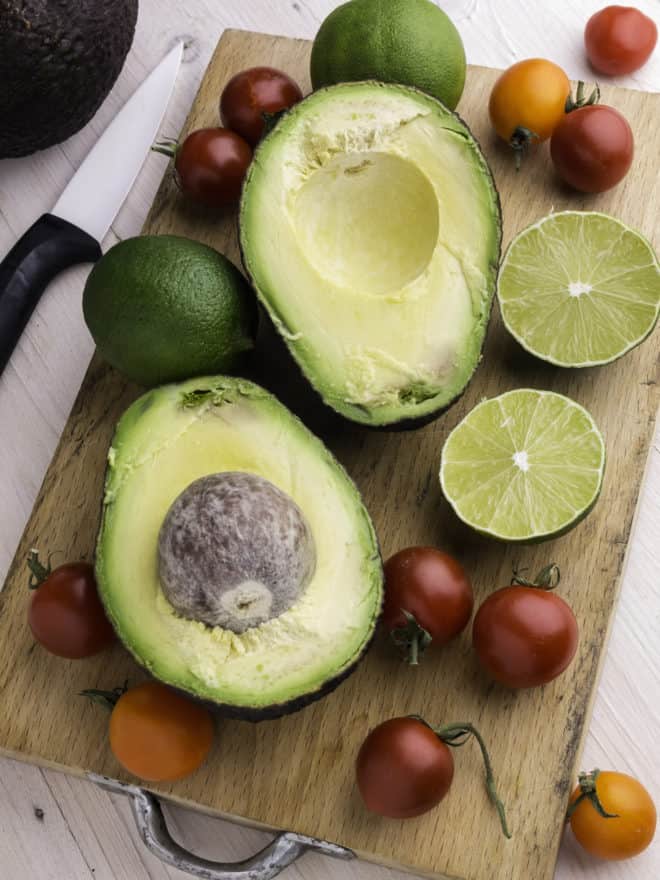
<point>570,331</point>
<point>525,466</point>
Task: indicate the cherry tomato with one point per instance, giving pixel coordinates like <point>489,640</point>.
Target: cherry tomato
<point>252,93</point>
<point>528,101</point>
<point>158,734</point>
<point>524,636</point>
<point>431,587</point>
<point>631,826</point>
<point>66,615</point>
<point>211,165</point>
<point>619,39</point>
<point>592,148</point>
<point>405,767</point>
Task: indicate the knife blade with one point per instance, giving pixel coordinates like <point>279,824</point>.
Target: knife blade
<point>72,232</point>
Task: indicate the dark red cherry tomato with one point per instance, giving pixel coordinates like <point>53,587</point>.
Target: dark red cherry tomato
<point>211,165</point>
<point>253,93</point>
<point>592,148</point>
<point>405,767</point>
<point>525,636</point>
<point>428,597</point>
<point>66,615</point>
<point>619,39</point>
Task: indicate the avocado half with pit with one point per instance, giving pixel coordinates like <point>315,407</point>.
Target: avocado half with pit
<point>370,226</point>
<point>235,558</point>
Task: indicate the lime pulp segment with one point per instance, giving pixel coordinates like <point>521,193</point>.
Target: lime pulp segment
<point>524,466</point>
<point>579,289</point>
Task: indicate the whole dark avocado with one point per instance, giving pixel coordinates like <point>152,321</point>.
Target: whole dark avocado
<point>58,61</point>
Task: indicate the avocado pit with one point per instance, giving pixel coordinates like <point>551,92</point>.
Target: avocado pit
<point>234,551</point>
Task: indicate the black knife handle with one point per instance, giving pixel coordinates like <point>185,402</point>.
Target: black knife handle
<point>49,246</point>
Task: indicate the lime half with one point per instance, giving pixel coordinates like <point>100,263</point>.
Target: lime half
<point>579,289</point>
<point>524,466</point>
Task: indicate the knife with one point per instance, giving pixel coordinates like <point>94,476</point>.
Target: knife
<point>72,232</point>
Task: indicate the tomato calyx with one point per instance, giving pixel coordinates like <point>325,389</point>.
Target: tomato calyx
<point>38,571</point>
<point>107,699</point>
<point>587,785</point>
<point>168,147</point>
<point>411,639</point>
<point>271,120</point>
<point>520,141</point>
<point>580,100</point>
<point>547,579</point>
<point>456,735</point>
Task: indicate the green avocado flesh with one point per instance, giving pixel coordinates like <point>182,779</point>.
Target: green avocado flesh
<point>370,226</point>
<point>173,436</point>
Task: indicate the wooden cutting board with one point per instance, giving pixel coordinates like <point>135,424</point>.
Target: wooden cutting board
<point>297,773</point>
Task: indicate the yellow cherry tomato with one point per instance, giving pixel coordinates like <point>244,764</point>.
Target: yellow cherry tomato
<point>632,826</point>
<point>528,100</point>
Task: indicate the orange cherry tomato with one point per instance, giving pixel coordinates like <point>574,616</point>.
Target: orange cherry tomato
<point>158,734</point>
<point>633,816</point>
<point>528,101</point>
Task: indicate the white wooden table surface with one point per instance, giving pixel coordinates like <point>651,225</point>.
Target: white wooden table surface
<point>53,827</point>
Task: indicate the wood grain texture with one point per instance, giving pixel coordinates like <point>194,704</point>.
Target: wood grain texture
<point>253,775</point>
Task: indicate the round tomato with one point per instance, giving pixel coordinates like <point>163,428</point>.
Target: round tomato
<point>619,39</point>
<point>65,614</point>
<point>428,597</point>
<point>612,815</point>
<point>158,734</point>
<point>252,94</point>
<point>524,636</point>
<point>592,148</point>
<point>405,767</point>
<point>211,165</point>
<point>527,101</point>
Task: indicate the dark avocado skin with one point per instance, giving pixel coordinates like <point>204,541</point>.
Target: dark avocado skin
<point>58,61</point>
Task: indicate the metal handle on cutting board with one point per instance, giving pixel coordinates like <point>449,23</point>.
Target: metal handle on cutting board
<point>268,863</point>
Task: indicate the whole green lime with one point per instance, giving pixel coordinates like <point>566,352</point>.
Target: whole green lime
<point>402,41</point>
<point>163,308</point>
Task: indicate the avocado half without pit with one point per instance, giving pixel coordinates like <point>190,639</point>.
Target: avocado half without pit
<point>370,226</point>
<point>235,557</point>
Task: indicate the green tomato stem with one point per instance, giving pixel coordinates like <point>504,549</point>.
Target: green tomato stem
<point>38,571</point>
<point>456,735</point>
<point>547,579</point>
<point>580,100</point>
<point>412,639</point>
<point>521,140</point>
<point>168,147</point>
<point>587,783</point>
<point>107,699</point>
